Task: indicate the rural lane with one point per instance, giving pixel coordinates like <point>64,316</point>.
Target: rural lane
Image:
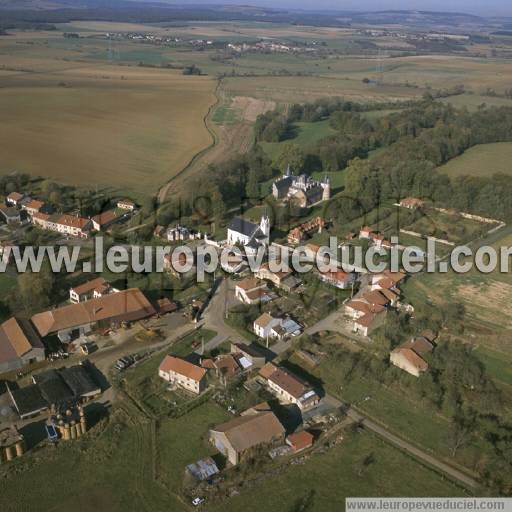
<point>412,450</point>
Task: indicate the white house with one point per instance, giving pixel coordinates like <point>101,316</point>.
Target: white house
<point>263,325</point>
<point>183,374</point>
<point>252,291</point>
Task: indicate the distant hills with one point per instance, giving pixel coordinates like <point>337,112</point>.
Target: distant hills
<point>26,13</point>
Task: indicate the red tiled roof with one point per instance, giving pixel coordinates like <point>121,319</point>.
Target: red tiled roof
<point>300,440</point>
<point>413,358</point>
<point>182,367</point>
<point>126,306</point>
<point>72,221</point>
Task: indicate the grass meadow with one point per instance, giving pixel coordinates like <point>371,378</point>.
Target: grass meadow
<point>481,160</point>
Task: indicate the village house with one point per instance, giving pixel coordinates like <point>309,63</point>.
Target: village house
<point>68,225</point>
<point>234,264</point>
<point>410,356</point>
<point>181,373</point>
<point>242,437</point>
<point>34,206</point>
<point>19,345</point>
<point>367,323</point>
<point>126,204</point>
<point>299,233</point>
<point>106,219</point>
<point>365,314</point>
<point>76,320</point>
<point>252,353</point>
<point>252,291</point>
<point>228,366</point>
<point>10,214</point>
<point>278,278</point>
<point>179,232</point>
<point>93,289</point>
<point>412,203</point>
<point>14,198</point>
<point>288,388</point>
<point>264,323</point>
<point>266,326</point>
<point>338,278</point>
<point>356,308</point>
<point>387,280</point>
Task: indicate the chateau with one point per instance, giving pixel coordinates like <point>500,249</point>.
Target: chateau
<point>302,189</point>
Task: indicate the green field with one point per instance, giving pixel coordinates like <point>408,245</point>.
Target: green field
<point>481,160</point>
<point>302,134</point>
<point>473,101</point>
<point>120,469</point>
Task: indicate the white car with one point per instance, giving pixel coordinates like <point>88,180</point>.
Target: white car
<point>197,501</point>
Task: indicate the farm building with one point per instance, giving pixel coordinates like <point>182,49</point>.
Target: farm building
<point>240,438</point>
<point>19,345</point>
<point>54,388</point>
<point>75,320</point>
<point>9,214</point>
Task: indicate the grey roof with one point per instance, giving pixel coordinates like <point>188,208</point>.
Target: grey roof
<point>28,400</point>
<point>79,381</point>
<point>283,182</point>
<point>203,469</point>
<point>243,226</point>
<point>53,389</point>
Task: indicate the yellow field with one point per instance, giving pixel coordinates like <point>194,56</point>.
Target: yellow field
<point>97,124</point>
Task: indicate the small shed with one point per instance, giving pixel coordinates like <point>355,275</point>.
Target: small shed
<point>203,469</point>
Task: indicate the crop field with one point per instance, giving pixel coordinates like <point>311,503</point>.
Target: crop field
<point>91,124</point>
<point>481,160</point>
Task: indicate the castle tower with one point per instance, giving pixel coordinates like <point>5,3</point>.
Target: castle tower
<point>326,185</point>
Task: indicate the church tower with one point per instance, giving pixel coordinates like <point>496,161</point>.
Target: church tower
<point>265,226</point>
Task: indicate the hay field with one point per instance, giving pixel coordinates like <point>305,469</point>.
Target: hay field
<point>290,89</point>
<point>97,124</point>
<point>481,160</point>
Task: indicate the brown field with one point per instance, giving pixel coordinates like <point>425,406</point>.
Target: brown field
<point>107,126</point>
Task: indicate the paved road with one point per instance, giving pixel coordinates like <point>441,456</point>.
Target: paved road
<point>215,314</point>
